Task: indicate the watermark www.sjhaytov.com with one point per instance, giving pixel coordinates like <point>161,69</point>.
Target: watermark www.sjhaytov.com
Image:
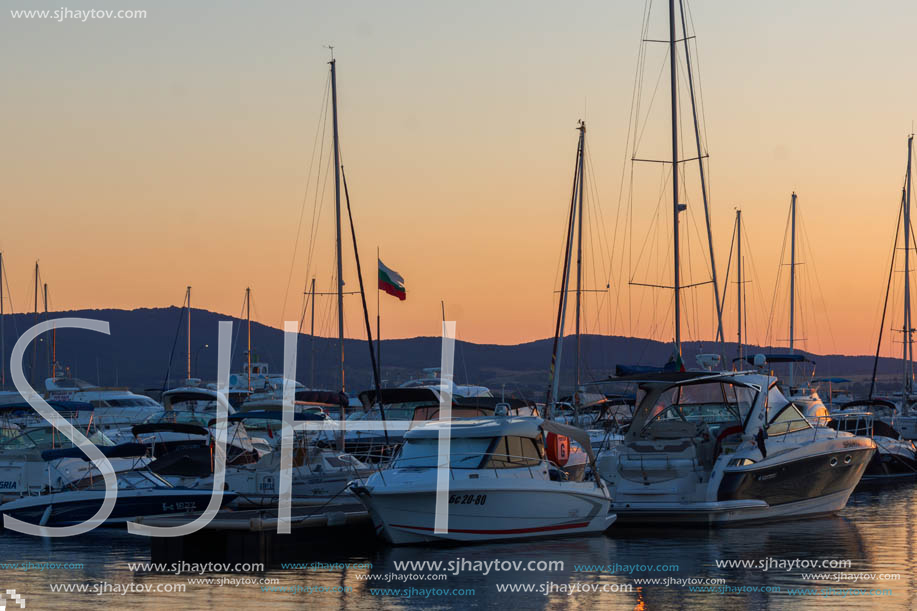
<point>66,14</point>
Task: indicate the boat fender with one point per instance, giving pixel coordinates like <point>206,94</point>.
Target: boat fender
<point>558,449</point>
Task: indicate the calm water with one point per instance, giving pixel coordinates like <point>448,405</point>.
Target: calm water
<point>876,532</point>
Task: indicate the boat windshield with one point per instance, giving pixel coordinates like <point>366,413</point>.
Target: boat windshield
<point>714,405</point>
<point>464,453</point>
<point>787,420</point>
<point>49,438</point>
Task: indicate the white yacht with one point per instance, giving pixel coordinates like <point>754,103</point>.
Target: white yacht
<point>38,458</point>
<point>114,408</point>
<point>501,486</point>
<point>712,448</point>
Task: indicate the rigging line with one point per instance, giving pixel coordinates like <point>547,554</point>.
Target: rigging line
<point>236,331</point>
<point>814,273</point>
<point>653,222</point>
<point>732,243</point>
<point>302,208</point>
<point>369,333</point>
<point>646,122</point>
<point>629,152</point>
<point>596,206</point>
<point>595,230</point>
<point>317,210</point>
<point>181,318</point>
<point>770,321</point>
<point>891,269</point>
<point>700,92</point>
<point>750,256</point>
<point>9,300</point>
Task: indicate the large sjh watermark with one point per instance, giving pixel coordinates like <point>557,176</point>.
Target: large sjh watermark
<point>220,434</point>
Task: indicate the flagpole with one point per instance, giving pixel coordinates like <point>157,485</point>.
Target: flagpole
<point>378,316</point>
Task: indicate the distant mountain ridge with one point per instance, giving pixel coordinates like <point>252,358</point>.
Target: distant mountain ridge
<point>137,354</point>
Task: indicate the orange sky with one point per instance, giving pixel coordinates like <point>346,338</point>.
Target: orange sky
<point>140,157</point>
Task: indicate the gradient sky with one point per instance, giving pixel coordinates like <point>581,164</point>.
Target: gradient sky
<point>142,156</point>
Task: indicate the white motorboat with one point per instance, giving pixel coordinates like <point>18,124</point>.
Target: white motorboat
<point>140,494</point>
<point>895,457</point>
<point>318,474</point>
<point>712,448</point>
<point>39,458</point>
<point>501,486</point>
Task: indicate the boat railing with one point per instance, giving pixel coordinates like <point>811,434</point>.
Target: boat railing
<point>862,425</point>
<point>514,464</point>
<point>858,423</point>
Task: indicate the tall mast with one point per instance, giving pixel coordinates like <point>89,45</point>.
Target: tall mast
<point>188,333</point>
<point>557,350</point>
<point>673,83</point>
<point>739,283</point>
<point>792,284</point>
<point>378,315</point>
<point>49,348</point>
<point>34,355</point>
<point>337,218</point>
<point>312,340</point>
<point>2,335</point>
<point>908,326</point>
<point>579,261</point>
<point>703,177</point>
<point>248,315</point>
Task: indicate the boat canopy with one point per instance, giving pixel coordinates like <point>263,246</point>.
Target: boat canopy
<point>124,450</point>
<point>392,396</point>
<point>168,427</point>
<point>270,415</point>
<point>778,358</point>
<point>60,406</point>
<point>517,426</point>
<point>181,395</point>
<point>870,403</point>
<point>327,398</point>
<point>831,380</point>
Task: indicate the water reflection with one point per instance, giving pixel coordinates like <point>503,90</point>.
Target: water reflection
<point>875,532</point>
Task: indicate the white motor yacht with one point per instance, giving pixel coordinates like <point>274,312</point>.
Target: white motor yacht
<point>501,486</point>
<point>708,447</point>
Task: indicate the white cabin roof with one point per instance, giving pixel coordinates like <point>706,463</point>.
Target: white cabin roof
<point>518,426</point>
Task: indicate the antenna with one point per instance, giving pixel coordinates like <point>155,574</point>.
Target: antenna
<point>331,49</point>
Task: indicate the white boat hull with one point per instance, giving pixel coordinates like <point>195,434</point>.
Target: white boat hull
<point>487,513</point>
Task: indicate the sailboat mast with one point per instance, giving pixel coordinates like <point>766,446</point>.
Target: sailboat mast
<point>248,316</point>
<point>792,283</point>
<point>703,177</point>
<point>739,282</point>
<point>188,334</point>
<point>35,317</point>
<point>49,348</point>
<point>579,261</point>
<point>2,335</point>
<point>557,350</point>
<point>908,326</point>
<point>312,340</point>
<point>673,77</point>
<point>337,219</point>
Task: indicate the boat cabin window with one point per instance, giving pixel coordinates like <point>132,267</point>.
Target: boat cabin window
<point>464,452</point>
<point>713,405</point>
<point>431,412</point>
<point>510,452</point>
<point>788,420</point>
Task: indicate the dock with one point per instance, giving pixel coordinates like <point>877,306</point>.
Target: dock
<point>250,535</point>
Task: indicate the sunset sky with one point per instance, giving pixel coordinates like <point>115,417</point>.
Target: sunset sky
<point>141,156</point>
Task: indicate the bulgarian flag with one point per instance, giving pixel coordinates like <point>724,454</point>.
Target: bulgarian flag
<point>391,281</point>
